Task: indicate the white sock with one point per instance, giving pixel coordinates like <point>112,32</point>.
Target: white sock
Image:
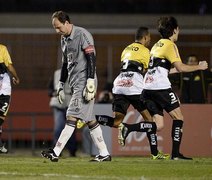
<point>64,137</point>
<point>97,137</point>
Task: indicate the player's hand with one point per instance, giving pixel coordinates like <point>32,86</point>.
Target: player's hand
<point>60,92</point>
<point>203,65</point>
<point>90,90</point>
<point>16,81</point>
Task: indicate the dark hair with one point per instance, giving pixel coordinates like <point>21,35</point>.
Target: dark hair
<point>141,32</point>
<point>61,16</point>
<point>166,26</point>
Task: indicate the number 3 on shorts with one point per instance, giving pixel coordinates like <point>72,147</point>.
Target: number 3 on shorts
<point>173,97</point>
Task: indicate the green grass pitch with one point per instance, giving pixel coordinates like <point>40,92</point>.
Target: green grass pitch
<point>120,168</point>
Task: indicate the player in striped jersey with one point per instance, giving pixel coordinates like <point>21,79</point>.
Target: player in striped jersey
<point>157,92</point>
<point>6,69</point>
<point>127,88</point>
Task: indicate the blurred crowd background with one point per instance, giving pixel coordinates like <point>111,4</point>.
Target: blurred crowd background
<point>109,6</point>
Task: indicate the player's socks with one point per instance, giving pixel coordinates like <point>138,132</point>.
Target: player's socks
<point>141,126</point>
<point>64,137</point>
<point>97,137</point>
<point>150,128</point>
<point>176,136</point>
<point>152,137</point>
<point>105,120</point>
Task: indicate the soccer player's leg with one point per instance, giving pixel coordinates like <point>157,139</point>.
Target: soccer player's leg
<point>65,135</point>
<point>4,107</point>
<point>98,139</point>
<point>120,106</point>
<point>176,134</point>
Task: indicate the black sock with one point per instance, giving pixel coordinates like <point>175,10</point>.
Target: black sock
<point>141,126</point>
<point>176,136</point>
<point>150,128</point>
<point>105,120</point>
<point>152,137</point>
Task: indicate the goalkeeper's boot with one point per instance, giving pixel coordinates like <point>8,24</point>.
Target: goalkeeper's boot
<point>181,157</point>
<point>50,154</point>
<point>3,150</point>
<point>122,134</point>
<point>161,156</point>
<point>100,158</point>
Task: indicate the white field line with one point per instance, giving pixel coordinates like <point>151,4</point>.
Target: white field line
<point>64,175</point>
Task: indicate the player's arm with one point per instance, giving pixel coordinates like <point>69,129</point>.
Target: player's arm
<point>91,61</point>
<point>64,72</point>
<point>15,78</point>
<point>8,64</point>
<point>181,67</point>
<point>173,70</point>
<point>63,78</point>
<point>90,89</point>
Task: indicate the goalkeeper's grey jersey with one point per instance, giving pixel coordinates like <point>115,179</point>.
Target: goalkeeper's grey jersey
<point>74,47</point>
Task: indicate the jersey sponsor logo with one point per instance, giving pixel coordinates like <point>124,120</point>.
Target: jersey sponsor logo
<point>159,44</point>
<point>125,83</point>
<point>132,48</point>
<point>149,79</point>
<point>129,75</point>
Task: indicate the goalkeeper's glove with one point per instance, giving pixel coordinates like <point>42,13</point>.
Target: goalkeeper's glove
<point>90,90</point>
<point>60,92</point>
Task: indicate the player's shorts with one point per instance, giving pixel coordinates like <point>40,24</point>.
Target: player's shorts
<point>122,102</point>
<point>4,104</point>
<point>159,100</point>
<point>78,107</point>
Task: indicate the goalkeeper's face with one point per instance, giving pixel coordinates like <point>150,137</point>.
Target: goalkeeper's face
<point>61,28</point>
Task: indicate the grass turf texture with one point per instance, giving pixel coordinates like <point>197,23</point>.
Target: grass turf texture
<point>121,168</point>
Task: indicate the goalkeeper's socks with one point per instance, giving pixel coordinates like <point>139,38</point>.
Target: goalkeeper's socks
<point>97,137</point>
<point>176,136</point>
<point>64,137</point>
<point>105,120</point>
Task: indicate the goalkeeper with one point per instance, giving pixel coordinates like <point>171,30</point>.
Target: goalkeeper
<point>79,68</point>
